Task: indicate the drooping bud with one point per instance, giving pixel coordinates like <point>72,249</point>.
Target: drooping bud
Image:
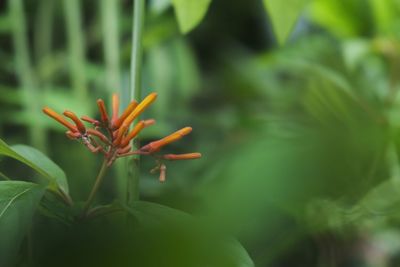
<point>51,113</point>
<point>98,134</point>
<point>163,173</point>
<point>79,125</point>
<point>90,120</point>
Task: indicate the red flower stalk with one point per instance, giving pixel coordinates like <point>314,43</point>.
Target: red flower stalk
<point>112,137</point>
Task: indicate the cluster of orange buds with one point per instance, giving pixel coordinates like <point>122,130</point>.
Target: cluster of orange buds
<point>112,136</point>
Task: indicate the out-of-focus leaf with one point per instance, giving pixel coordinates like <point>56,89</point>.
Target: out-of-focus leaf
<point>39,162</point>
<point>159,6</point>
<point>5,24</point>
<point>190,13</point>
<point>343,17</point>
<point>219,252</point>
<point>18,201</point>
<point>284,15</point>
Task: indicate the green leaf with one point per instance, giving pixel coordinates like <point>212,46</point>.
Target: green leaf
<point>190,13</point>
<point>284,15</point>
<point>18,201</point>
<point>39,162</point>
<point>190,242</point>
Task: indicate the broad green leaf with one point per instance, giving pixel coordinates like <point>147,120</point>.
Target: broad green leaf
<point>18,201</point>
<point>190,13</point>
<point>39,162</point>
<point>284,15</point>
<point>170,225</point>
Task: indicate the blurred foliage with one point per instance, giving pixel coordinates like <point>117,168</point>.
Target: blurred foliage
<point>300,142</point>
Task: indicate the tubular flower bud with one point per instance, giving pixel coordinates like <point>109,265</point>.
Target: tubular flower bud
<point>51,113</point>
<point>76,120</point>
<point>132,134</point>
<point>90,120</point>
<point>73,135</point>
<point>182,156</point>
<point>149,122</point>
<point>103,111</point>
<point>140,108</point>
<point>157,145</point>
<point>115,108</point>
<point>120,135</point>
<point>124,150</point>
<point>125,114</point>
<point>98,134</point>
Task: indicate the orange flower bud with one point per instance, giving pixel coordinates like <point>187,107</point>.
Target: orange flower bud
<point>115,108</point>
<point>77,121</point>
<point>103,111</point>
<point>90,120</point>
<point>101,136</point>
<point>135,131</point>
<point>120,135</point>
<point>51,113</point>
<point>149,122</point>
<point>140,108</point>
<point>124,150</point>
<point>182,156</point>
<point>72,135</point>
<point>125,114</point>
<point>157,145</point>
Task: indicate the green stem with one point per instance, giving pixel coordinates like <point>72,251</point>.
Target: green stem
<point>76,48</point>
<point>96,186</point>
<point>25,73</point>
<point>136,83</point>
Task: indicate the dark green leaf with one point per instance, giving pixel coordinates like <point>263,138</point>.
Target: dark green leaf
<point>39,162</point>
<point>18,201</point>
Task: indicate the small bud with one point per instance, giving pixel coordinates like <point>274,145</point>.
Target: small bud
<point>115,108</point>
<point>103,111</point>
<point>51,113</point>
<point>149,122</point>
<point>90,120</point>
<point>98,134</point>
<point>73,135</point>
<point>182,156</point>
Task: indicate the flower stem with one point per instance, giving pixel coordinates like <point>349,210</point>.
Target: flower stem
<point>96,186</point>
<point>135,92</point>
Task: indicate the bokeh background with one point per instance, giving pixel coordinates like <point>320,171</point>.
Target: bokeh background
<point>300,142</point>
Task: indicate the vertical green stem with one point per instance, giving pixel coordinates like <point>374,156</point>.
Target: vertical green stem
<point>136,83</point>
<point>76,48</point>
<point>25,73</point>
<point>109,15</point>
<point>96,186</point>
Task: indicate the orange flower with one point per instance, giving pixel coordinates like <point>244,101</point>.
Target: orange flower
<point>125,114</point>
<point>132,134</point>
<point>115,108</point>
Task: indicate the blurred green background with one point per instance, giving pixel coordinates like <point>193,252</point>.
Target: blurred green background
<point>300,141</point>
